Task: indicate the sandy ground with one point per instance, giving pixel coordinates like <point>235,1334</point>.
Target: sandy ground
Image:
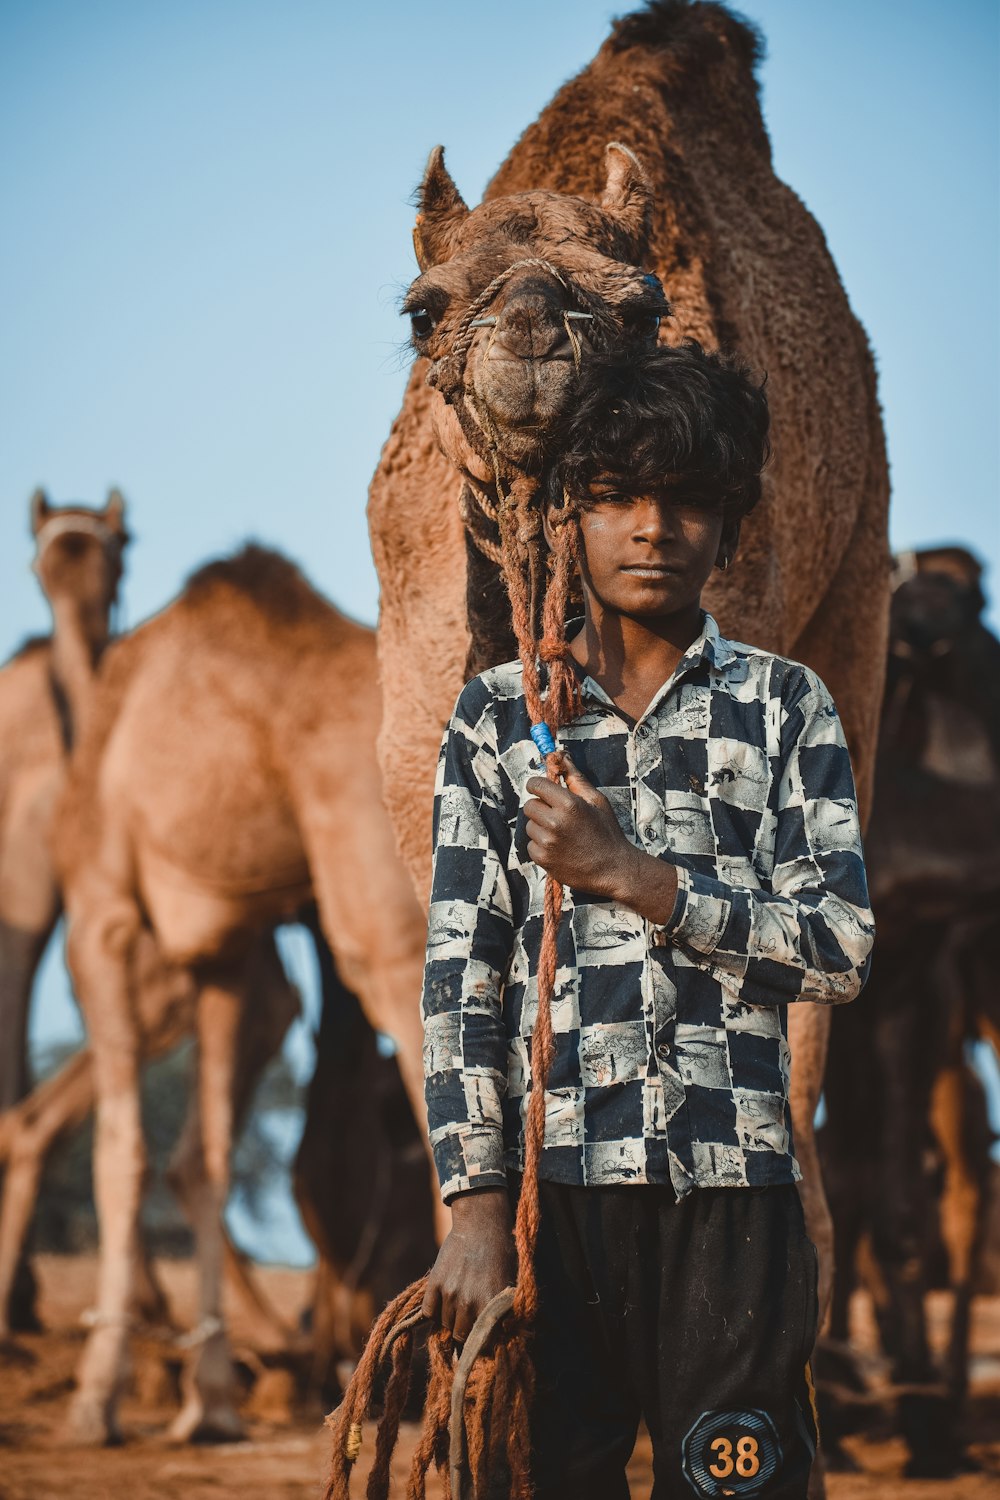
<point>284,1456</point>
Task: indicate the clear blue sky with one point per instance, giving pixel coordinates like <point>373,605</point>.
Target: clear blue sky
<point>207,225</point>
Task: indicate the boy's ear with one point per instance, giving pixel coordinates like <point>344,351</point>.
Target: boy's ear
<point>729,541</point>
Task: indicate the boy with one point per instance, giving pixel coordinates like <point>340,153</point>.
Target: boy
<point>707,840</point>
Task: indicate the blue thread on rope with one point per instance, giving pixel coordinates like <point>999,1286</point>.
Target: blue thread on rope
<point>542,736</point>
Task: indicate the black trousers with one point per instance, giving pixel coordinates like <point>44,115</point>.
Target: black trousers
<point>697,1316</point>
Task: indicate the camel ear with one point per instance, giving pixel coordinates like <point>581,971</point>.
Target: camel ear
<point>440,210</point>
<point>114,511</point>
<point>39,510</point>
<point>628,196</point>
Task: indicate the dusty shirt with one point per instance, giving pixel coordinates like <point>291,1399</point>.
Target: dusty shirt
<point>671,1061</point>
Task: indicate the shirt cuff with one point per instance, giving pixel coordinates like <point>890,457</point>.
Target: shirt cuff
<point>467,1158</point>
<point>700,914</point>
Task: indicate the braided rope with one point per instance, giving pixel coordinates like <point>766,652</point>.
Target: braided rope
<point>477,1415</point>
<point>468,509</point>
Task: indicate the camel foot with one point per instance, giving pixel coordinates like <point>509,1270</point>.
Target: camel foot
<point>201,1422</point>
<point>209,1386</point>
<point>91,1423</point>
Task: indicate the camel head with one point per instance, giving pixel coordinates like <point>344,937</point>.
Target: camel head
<point>78,557</point>
<point>937,599</point>
<point>513,295</point>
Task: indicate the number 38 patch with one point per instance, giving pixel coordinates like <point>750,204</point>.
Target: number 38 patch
<point>731,1452</point>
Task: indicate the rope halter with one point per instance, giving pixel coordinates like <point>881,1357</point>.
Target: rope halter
<point>447,376</point>
<point>446,373</point>
<point>79,525</point>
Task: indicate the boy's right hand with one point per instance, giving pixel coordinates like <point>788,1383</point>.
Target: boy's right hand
<point>476,1261</point>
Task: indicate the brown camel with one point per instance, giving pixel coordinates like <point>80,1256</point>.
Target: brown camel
<point>45,698</point>
<point>228,774</point>
<point>933,852</point>
<point>44,692</point>
<point>512,294</point>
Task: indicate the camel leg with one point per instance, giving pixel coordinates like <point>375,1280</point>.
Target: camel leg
<point>21,951</point>
<point>209,1382</point>
<point>272,1005</point>
<point>20,954</point>
<point>808,1037</point>
<point>27,1135</point>
<point>960,1208</point>
<point>376,933</point>
<point>99,952</point>
<point>908,1041</point>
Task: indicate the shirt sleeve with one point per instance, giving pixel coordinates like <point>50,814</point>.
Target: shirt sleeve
<point>469,947</point>
<point>809,936</point>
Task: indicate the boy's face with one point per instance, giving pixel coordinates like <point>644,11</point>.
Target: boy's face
<point>650,556</point>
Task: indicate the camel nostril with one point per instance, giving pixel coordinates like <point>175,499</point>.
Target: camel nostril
<point>524,333</point>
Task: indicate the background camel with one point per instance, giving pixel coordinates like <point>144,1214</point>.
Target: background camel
<point>933,852</point>
<point>228,774</point>
<point>45,697</point>
<point>44,694</point>
<point>557,255</point>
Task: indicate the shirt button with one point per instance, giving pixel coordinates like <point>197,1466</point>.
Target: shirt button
<point>643,731</point>
<point>663,1050</point>
<point>649,833</point>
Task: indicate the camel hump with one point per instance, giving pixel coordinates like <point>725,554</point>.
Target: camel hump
<point>267,580</point>
<point>697,35</point>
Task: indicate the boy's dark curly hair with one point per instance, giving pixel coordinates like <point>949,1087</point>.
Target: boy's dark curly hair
<point>679,418</point>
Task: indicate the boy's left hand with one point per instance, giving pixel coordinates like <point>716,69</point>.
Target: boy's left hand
<point>575,837</point>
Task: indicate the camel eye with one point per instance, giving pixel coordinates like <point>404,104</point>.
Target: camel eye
<point>421,323</point>
<point>644,325</point>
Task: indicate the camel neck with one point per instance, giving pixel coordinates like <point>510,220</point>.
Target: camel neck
<point>79,638</point>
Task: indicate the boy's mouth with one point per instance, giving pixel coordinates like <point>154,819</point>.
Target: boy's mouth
<point>649,570</point>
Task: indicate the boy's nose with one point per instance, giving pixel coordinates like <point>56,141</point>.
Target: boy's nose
<point>652,521</point>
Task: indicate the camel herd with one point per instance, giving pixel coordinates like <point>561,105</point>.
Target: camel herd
<point>248,751</point>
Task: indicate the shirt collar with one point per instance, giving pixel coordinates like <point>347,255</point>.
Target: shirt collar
<point>709,646</point>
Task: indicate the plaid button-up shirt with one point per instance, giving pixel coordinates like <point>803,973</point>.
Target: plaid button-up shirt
<point>671,1062</point>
